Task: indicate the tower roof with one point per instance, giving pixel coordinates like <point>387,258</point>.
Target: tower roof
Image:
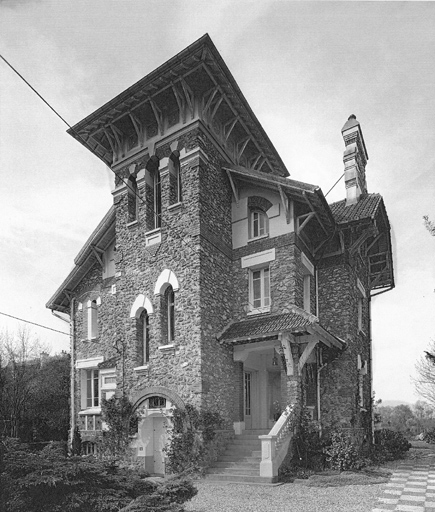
<point>194,72</point>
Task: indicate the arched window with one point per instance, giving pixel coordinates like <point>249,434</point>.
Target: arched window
<point>143,337</point>
<point>170,313</point>
<point>153,194</point>
<point>92,318</point>
<point>259,223</point>
<point>132,199</point>
<point>174,178</point>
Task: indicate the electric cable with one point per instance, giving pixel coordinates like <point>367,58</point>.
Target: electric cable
<point>34,323</point>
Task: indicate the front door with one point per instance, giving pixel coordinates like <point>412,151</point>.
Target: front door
<point>248,383</point>
<point>159,432</point>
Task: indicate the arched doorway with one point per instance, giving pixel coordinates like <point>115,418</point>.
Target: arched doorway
<point>154,408</point>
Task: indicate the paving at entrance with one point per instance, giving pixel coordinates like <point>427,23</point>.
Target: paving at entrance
<point>411,487</point>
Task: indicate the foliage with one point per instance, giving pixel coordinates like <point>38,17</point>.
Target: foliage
<point>36,482</point>
<point>168,496</point>
<point>429,437</point>
<point>429,225</point>
<point>306,443</point>
<point>34,389</point>
<point>424,381</point>
<point>122,422</point>
<point>389,445</point>
<point>192,430</point>
<point>400,418</point>
<point>343,454</point>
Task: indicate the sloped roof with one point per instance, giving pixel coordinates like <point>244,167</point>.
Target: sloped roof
<point>296,322</point>
<point>100,238</point>
<point>365,208</point>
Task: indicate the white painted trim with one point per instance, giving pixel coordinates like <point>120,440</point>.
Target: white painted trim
<point>307,264</point>
<point>361,288</point>
<point>91,411</point>
<point>259,258</point>
<point>141,302</point>
<point>141,368</point>
<point>91,362</point>
<point>167,277</point>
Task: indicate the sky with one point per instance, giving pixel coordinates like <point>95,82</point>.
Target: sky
<point>304,67</point>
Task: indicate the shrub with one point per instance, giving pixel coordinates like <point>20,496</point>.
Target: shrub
<point>167,496</point>
<point>343,454</point>
<point>429,436</point>
<point>37,482</point>
<point>390,445</point>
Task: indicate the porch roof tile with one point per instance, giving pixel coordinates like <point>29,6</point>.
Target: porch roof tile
<point>260,326</point>
<point>296,322</point>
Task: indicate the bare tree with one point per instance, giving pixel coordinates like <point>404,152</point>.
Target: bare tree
<point>429,224</point>
<point>19,362</point>
<point>425,380</point>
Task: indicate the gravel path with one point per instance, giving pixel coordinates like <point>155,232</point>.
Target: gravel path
<point>294,497</point>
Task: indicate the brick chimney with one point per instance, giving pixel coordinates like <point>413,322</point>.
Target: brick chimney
<point>355,159</point>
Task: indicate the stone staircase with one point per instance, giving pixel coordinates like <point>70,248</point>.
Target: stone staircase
<point>241,460</point>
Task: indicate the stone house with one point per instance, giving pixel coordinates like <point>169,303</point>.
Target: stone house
<point>215,279</point>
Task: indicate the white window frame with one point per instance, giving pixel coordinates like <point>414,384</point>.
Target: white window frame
<point>308,273</point>
<point>264,296</point>
<point>256,215</point>
<point>95,400</point>
<point>92,317</point>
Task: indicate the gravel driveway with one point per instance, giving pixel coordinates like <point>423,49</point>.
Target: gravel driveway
<point>294,497</point>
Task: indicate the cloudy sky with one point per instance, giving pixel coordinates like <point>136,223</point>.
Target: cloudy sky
<point>304,67</point>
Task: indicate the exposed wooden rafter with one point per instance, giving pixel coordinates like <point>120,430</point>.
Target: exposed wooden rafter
<point>157,114</point>
<point>228,127</point>
<point>189,96</point>
<point>319,220</point>
<point>284,201</point>
<point>241,146</point>
<point>97,253</point>
<point>234,188</point>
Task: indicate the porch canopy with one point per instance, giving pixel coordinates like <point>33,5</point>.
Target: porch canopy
<point>295,327</point>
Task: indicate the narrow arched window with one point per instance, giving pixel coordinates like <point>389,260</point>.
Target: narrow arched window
<point>174,178</point>
<point>143,337</point>
<point>132,199</point>
<point>168,315</point>
<point>171,314</point>
<point>92,315</point>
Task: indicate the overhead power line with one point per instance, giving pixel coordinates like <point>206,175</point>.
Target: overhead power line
<point>34,323</point>
<point>135,192</point>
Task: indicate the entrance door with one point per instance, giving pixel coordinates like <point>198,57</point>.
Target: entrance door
<point>158,444</point>
<point>247,379</point>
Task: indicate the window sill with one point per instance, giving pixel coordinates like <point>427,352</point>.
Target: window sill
<point>133,224</point>
<point>153,237</point>
<point>262,237</point>
<point>90,411</point>
<point>167,348</point>
<point>141,369</point>
<point>258,311</point>
<point>175,206</point>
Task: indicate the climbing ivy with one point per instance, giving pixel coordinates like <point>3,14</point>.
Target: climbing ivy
<point>192,432</point>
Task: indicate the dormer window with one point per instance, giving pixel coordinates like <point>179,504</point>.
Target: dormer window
<point>259,224</point>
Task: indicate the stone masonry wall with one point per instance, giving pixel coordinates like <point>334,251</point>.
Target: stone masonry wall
<point>338,312</point>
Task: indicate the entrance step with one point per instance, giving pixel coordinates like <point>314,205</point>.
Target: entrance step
<point>241,460</point>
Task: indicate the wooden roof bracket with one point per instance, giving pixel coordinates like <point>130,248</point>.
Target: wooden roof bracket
<point>243,143</point>
<point>158,115</point>
<point>304,194</point>
<point>68,294</point>
<point>210,100</point>
<point>361,239</point>
<point>234,188</point>
<point>284,201</point>
<point>308,217</point>
<point>188,95</point>
<point>306,353</point>
<point>138,127</point>
<point>377,238</point>
<point>109,138</point>
<point>180,102</point>
<point>216,107</point>
<point>231,125</point>
<point>97,253</point>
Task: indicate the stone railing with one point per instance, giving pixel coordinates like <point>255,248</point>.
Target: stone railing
<point>274,445</point>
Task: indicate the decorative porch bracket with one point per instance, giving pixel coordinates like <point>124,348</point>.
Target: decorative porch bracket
<point>306,353</point>
<point>234,188</point>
